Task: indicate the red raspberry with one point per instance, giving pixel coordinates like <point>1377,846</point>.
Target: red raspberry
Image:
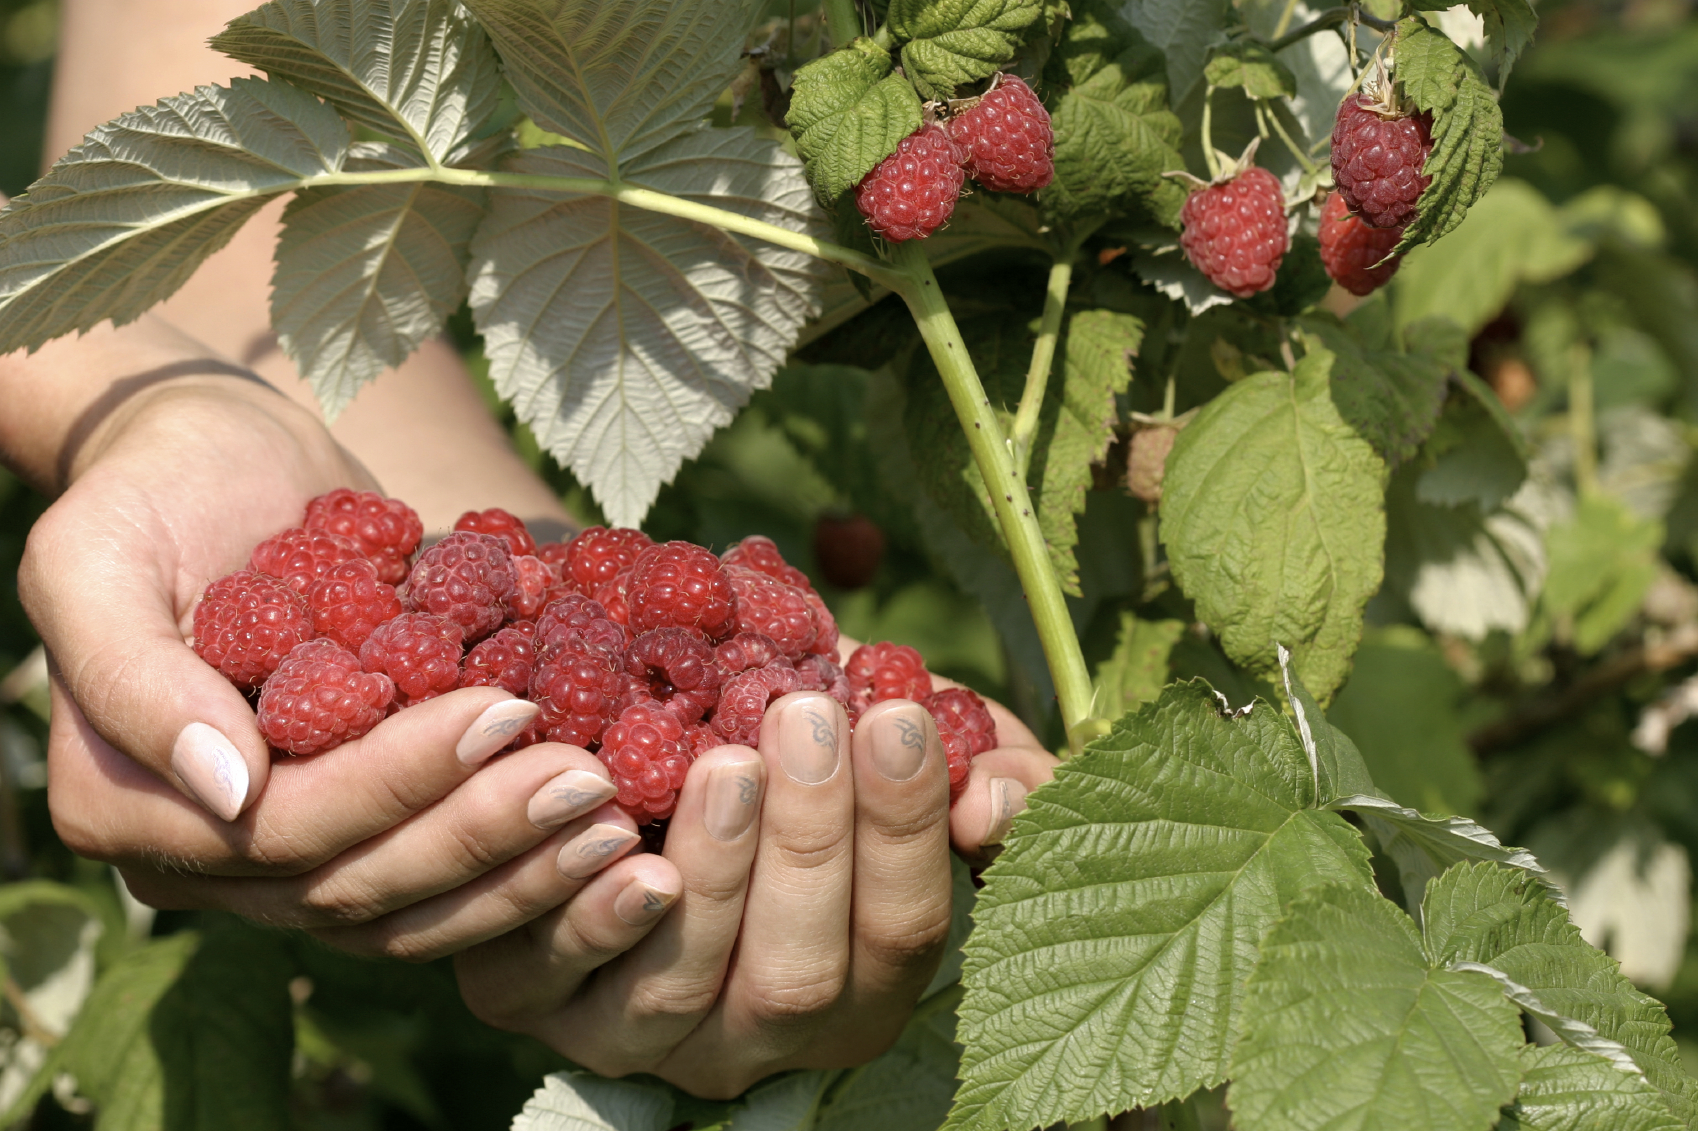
<point>677,670</point>
<point>1377,158</point>
<point>349,602</point>
<point>912,193</point>
<point>596,556</point>
<point>301,556</point>
<point>965,727</point>
<point>465,577</point>
<point>774,609</point>
<point>760,553</point>
<point>419,651</point>
<point>613,596</point>
<point>648,756</point>
<point>746,650</point>
<point>504,660</point>
<point>577,688</point>
<point>701,738</point>
<point>680,585</point>
<point>1006,140</point>
<point>319,698</point>
<point>825,639</point>
<point>246,623</point>
<point>1352,251</point>
<point>744,699</point>
<point>1235,232</point>
<point>554,553</point>
<point>848,550</point>
<point>821,673</point>
<point>502,524</point>
<point>878,672</point>
<point>386,530</point>
<point>575,618</point>
<point>535,584</point>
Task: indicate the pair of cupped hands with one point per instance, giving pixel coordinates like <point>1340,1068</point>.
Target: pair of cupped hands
<point>800,906</point>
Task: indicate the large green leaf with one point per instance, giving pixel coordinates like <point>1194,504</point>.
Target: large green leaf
<point>1602,562</point>
<point>1348,1024</point>
<point>1391,397</point>
<point>1250,66</point>
<point>1184,30</point>
<point>1564,1089</point>
<point>848,110</point>
<point>1137,670</point>
<point>946,43</point>
<point>1272,511</point>
<point>122,221</point>
<point>1423,847</point>
<point>417,71</point>
<point>1115,931</point>
<point>1508,25</point>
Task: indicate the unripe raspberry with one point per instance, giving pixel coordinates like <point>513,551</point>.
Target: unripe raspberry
<point>1006,141</point>
<point>349,602</point>
<point>912,193</point>
<point>503,525</point>
<point>680,585</point>
<point>246,623</point>
<point>1377,158</point>
<point>419,651</point>
<point>386,530</point>
<point>648,757</point>
<point>466,578</point>
<point>1352,251</point>
<point>319,698</point>
<point>1235,232</point>
<point>301,556</point>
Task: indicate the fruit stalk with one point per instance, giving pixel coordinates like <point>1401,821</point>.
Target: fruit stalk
<point>1043,360</point>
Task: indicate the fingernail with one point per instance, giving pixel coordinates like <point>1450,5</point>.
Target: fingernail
<point>592,850</point>
<point>640,905</point>
<point>572,794</point>
<point>1008,799</point>
<point>899,743</point>
<point>494,729</point>
<point>732,795</point>
<point>213,769</point>
<point>807,740</point>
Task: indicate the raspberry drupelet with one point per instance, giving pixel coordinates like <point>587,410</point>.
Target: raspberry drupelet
<point>319,698</point>
<point>1353,252</point>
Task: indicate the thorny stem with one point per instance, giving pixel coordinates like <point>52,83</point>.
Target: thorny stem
<point>1007,488</point>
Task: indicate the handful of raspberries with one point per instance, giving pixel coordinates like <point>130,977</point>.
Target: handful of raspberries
<point>646,655</point>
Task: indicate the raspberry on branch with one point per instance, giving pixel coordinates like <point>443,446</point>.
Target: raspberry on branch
<point>596,556</point>
<point>419,651</point>
<point>386,530</point>
<point>648,757</point>
<point>505,660</point>
<point>246,623</point>
<point>912,193</point>
<point>1378,152</point>
<point>1235,231</point>
<point>502,524</point>
<point>319,698</point>
<point>1353,252</point>
<point>466,578</point>
<point>349,602</point>
<point>680,585</point>
<point>300,556</point>
<point>1006,141</point>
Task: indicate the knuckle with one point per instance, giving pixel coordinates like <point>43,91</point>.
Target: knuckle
<point>908,945</point>
<point>338,903</point>
<point>811,848</point>
<point>672,1000</point>
<point>798,1000</point>
<point>407,946</point>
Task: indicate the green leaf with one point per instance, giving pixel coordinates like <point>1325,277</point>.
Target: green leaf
<point>1391,397</point>
<point>908,1088</point>
<point>1183,30</point>
<point>583,1101</point>
<point>1467,128</point>
<point>420,73</point>
<point>367,273</point>
<point>1476,453</point>
<point>1249,65</point>
<point>848,111</point>
<point>946,43</point>
<point>1602,563</point>
<point>1115,930</point>
<point>1137,670</point>
<point>1564,1089</point>
<point>123,220</point>
<point>1577,1034</point>
<point>1335,762</point>
<point>1272,514</point>
<point>1509,26</point>
<point>1423,847</point>
<point>1347,1024</point>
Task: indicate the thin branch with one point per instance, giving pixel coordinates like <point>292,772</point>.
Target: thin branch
<point>1043,360</point>
<point>1330,18</point>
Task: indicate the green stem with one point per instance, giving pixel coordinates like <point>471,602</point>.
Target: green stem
<point>1043,360</point>
<point>842,20</point>
<point>1007,488</point>
<point>1285,18</point>
<point>1279,128</point>
<point>1581,420</point>
<point>1209,158</point>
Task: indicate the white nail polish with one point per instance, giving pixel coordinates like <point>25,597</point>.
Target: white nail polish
<point>212,769</point>
<point>493,729</point>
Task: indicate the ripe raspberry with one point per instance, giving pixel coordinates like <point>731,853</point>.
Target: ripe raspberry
<point>965,727</point>
<point>1377,160</point>
<point>535,584</point>
<point>912,193</point>
<point>648,756</point>
<point>1352,250</point>
<point>597,555</point>
<point>677,670</point>
<point>419,651</point>
<point>465,577</point>
<point>773,609</point>
<point>848,550</point>
<point>386,530</point>
<point>554,553</point>
<point>1006,140</point>
<point>575,618</point>
<point>612,596</point>
<point>300,556</point>
<point>349,602</point>
<point>878,672</point>
<point>825,639</point>
<point>1235,232</point>
<point>680,585</point>
<point>319,698</point>
<point>246,623</point>
<point>701,738</point>
<point>821,673</point>
<point>760,553</point>
<point>502,524</point>
<point>744,699</point>
<point>504,660</point>
<point>577,688</point>
<point>746,650</point>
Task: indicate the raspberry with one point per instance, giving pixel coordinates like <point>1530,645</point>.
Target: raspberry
<point>301,556</point>
<point>386,530</point>
<point>677,670</point>
<point>554,553</point>
<point>848,550</point>
<point>612,596</point>
<point>965,727</point>
<point>596,556</point>
<point>1377,158</point>
<point>773,609</point>
<point>1006,141</point>
<point>648,756</point>
<point>744,699</point>
<point>825,638</point>
<point>349,602</point>
<point>760,553</point>
<point>1235,232</point>
<point>1352,250</point>
<point>577,687</point>
<point>246,623</point>
<point>504,660</point>
<point>701,738</point>
<point>465,577</point>
<point>575,617</point>
<point>746,650</point>
<point>535,584</point>
<point>680,585</point>
<point>419,651</point>
<point>320,698</point>
<point>878,672</point>
<point>912,193</point>
<point>821,673</point>
<point>502,524</point>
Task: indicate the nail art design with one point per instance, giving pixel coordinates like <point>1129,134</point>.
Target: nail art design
<point>590,851</point>
<point>212,768</point>
<point>913,737</point>
<point>494,729</point>
<point>824,732</point>
<point>569,795</point>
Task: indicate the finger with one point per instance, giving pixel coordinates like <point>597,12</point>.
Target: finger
<point>996,793</point>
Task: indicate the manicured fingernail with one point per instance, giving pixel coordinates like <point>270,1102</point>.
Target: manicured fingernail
<point>733,794</point>
<point>213,769</point>
<point>807,740</point>
<point>640,905</point>
<point>1008,800</point>
<point>899,743</point>
<point>592,850</point>
<point>494,729</point>
<point>572,794</point>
